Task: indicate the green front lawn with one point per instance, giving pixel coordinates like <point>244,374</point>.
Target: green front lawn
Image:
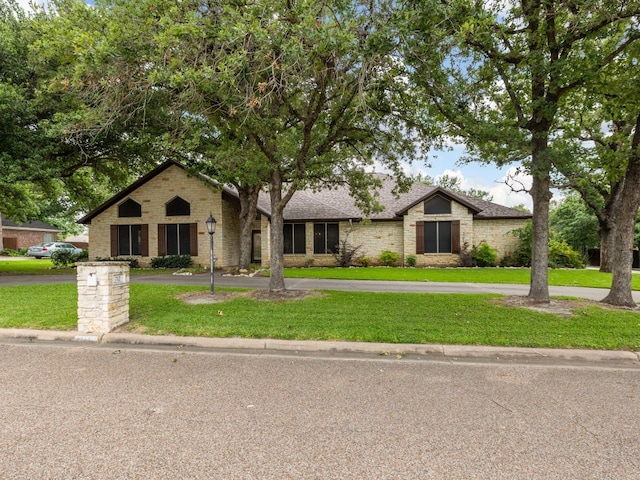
<point>561,277</point>
<point>351,316</point>
<point>31,266</point>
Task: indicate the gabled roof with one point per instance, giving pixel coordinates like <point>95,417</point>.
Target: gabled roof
<point>33,225</point>
<point>336,203</point>
<point>144,179</point>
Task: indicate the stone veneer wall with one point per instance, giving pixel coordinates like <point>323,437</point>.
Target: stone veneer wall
<point>374,238</point>
<point>103,296</point>
<point>416,214</point>
<point>153,196</point>
<point>498,234</point>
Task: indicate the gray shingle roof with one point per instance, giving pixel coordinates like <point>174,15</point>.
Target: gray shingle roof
<point>33,225</point>
<point>337,203</point>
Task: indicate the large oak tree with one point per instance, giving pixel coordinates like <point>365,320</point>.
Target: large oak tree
<point>291,94</point>
<point>502,74</point>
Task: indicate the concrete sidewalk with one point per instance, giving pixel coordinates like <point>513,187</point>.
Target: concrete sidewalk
<point>451,352</point>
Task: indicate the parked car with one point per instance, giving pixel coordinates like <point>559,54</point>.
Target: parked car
<point>46,249</point>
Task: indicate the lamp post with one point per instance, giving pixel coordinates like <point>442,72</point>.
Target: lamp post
<point>211,229</point>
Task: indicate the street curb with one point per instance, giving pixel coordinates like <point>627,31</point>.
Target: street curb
<point>444,351</point>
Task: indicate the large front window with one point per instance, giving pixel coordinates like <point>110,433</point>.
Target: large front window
<point>129,240</point>
<point>294,238</point>
<point>178,239</point>
<point>326,238</point>
<point>437,237</point>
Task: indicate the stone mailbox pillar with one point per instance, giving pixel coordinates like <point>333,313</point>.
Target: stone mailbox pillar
<point>103,296</point>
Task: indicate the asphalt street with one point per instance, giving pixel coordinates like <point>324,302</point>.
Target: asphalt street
<point>78,411</point>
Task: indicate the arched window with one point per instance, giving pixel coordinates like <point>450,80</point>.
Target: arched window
<point>129,208</point>
<point>437,205</point>
<point>178,207</point>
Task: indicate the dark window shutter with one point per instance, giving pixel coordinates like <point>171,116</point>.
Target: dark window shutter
<point>162,240</point>
<point>193,236</point>
<point>419,237</point>
<point>145,240</point>
<point>114,240</point>
<point>455,236</point>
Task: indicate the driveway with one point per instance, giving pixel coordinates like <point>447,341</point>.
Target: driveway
<point>323,284</point>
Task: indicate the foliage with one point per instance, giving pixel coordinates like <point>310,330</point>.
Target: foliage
<point>389,258</point>
<point>347,254</point>
<point>305,93</point>
<point>453,183</point>
<point>561,254</point>
<point>65,258</point>
<point>172,261</point>
<point>364,262</point>
<point>412,260</point>
<point>501,75</point>
<point>521,256</point>
<point>132,261</point>
<point>484,256</point>
<point>466,258</point>
<point>52,166</point>
<point>571,221</point>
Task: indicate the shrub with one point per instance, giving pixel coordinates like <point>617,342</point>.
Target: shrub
<point>521,257</point>
<point>562,255</point>
<point>484,256</point>
<point>171,261</point>
<point>133,262</point>
<point>389,258</point>
<point>65,258</point>
<point>364,262</point>
<point>412,260</point>
<point>347,254</point>
<point>466,259</point>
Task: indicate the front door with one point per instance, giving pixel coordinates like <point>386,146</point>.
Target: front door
<point>256,246</point>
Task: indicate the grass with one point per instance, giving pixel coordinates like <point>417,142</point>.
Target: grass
<point>557,277</point>
<point>351,316</point>
<point>32,267</point>
<point>45,266</point>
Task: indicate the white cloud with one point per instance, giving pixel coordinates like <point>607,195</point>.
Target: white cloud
<point>510,190</point>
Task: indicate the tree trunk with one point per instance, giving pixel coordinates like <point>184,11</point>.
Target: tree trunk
<point>248,208</point>
<point>540,193</point>
<point>621,261</point>
<point>606,247</point>
<point>541,196</point>
<point>1,238</point>
<point>276,278</point>
<point>624,221</point>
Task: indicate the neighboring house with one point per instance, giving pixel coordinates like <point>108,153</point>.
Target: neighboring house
<point>164,213</point>
<point>22,235</point>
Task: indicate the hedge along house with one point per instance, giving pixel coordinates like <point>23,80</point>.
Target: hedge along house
<point>164,213</point>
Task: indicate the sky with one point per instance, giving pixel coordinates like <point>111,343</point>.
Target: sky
<point>472,175</point>
<point>476,175</point>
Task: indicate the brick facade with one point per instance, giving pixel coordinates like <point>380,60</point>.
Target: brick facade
<point>397,232</point>
<point>153,195</point>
